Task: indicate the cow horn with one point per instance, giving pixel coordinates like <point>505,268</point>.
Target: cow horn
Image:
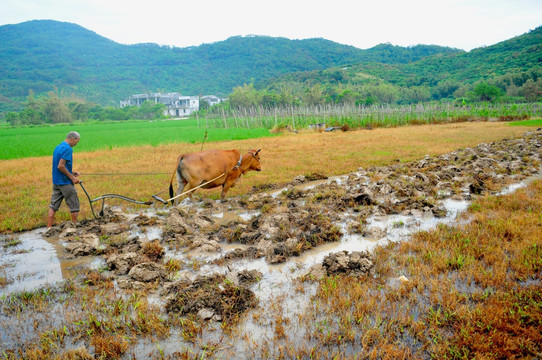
<point>258,151</point>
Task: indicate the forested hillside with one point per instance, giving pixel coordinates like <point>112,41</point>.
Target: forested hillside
<point>44,55</point>
<point>511,69</point>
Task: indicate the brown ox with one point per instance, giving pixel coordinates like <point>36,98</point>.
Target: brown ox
<point>217,167</point>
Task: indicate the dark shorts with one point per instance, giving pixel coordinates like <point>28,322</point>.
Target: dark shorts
<point>66,192</point>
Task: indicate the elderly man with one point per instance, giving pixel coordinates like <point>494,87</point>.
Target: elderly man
<point>64,179</point>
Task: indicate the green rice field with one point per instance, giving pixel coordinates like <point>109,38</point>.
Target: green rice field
<point>532,122</point>
<point>22,142</point>
<point>32,141</point>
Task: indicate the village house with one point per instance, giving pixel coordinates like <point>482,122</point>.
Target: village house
<point>211,99</point>
<point>177,105</point>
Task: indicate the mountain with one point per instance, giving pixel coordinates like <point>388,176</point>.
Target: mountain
<point>43,55</point>
<point>519,54</point>
<point>505,64</point>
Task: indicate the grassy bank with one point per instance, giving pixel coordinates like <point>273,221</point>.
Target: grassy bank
<point>532,122</point>
<point>25,185</point>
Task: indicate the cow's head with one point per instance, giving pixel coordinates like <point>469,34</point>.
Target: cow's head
<point>255,160</point>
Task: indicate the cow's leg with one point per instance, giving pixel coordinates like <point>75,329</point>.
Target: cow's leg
<point>180,189</point>
<point>189,186</point>
<point>225,187</point>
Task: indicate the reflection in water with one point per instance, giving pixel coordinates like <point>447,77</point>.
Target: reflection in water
<point>38,261</point>
<point>229,216</point>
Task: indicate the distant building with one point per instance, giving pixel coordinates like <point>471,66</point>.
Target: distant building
<point>212,99</point>
<point>177,105</point>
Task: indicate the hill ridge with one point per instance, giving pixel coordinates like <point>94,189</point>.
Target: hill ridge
<point>44,55</point>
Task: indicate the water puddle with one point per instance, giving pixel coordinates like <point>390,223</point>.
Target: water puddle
<point>149,233</point>
<point>225,217</point>
<point>37,262</point>
<point>513,187</point>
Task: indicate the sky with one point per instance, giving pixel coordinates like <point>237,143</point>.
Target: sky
<point>462,24</point>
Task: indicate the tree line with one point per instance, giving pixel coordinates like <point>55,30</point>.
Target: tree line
<point>54,109</point>
<point>505,89</point>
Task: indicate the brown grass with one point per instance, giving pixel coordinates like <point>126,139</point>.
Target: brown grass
<point>25,185</point>
<point>93,314</point>
<point>473,291</point>
<point>109,346</point>
<point>153,250</point>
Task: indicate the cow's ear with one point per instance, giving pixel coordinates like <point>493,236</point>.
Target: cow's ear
<point>258,151</point>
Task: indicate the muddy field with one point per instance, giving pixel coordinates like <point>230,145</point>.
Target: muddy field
<point>229,267</point>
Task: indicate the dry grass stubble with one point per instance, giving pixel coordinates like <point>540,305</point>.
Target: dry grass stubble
<point>25,185</point>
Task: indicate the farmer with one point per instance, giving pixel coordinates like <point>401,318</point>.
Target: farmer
<point>64,179</point>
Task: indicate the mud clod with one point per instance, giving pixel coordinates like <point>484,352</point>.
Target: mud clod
<point>147,272</point>
<point>177,224</point>
<point>85,244</point>
<point>357,263</point>
<point>122,263</point>
<point>214,294</point>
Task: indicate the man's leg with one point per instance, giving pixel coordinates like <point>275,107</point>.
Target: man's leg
<point>50,217</point>
<point>72,200</point>
<point>56,199</point>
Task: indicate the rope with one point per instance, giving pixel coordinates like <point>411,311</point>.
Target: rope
<point>197,187</point>
<point>122,174</point>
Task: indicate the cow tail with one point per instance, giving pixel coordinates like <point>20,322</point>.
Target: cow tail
<point>171,193</point>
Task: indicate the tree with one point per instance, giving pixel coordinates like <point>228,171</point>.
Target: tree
<point>12,118</point>
<point>314,95</point>
<point>532,90</point>
<point>31,102</point>
<point>203,104</point>
<point>445,89</point>
<point>30,117</point>
<point>55,110</point>
<point>385,93</point>
<point>150,110</point>
<point>270,99</point>
<point>486,92</point>
<point>79,110</point>
<point>244,96</point>
<point>287,95</point>
<point>417,94</point>
<point>347,96</point>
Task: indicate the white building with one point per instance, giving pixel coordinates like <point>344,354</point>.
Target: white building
<point>177,105</point>
<point>212,99</point>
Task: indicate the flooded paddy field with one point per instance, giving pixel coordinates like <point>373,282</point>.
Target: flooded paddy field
<point>240,279</point>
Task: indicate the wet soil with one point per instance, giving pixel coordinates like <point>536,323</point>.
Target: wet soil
<point>217,261</point>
